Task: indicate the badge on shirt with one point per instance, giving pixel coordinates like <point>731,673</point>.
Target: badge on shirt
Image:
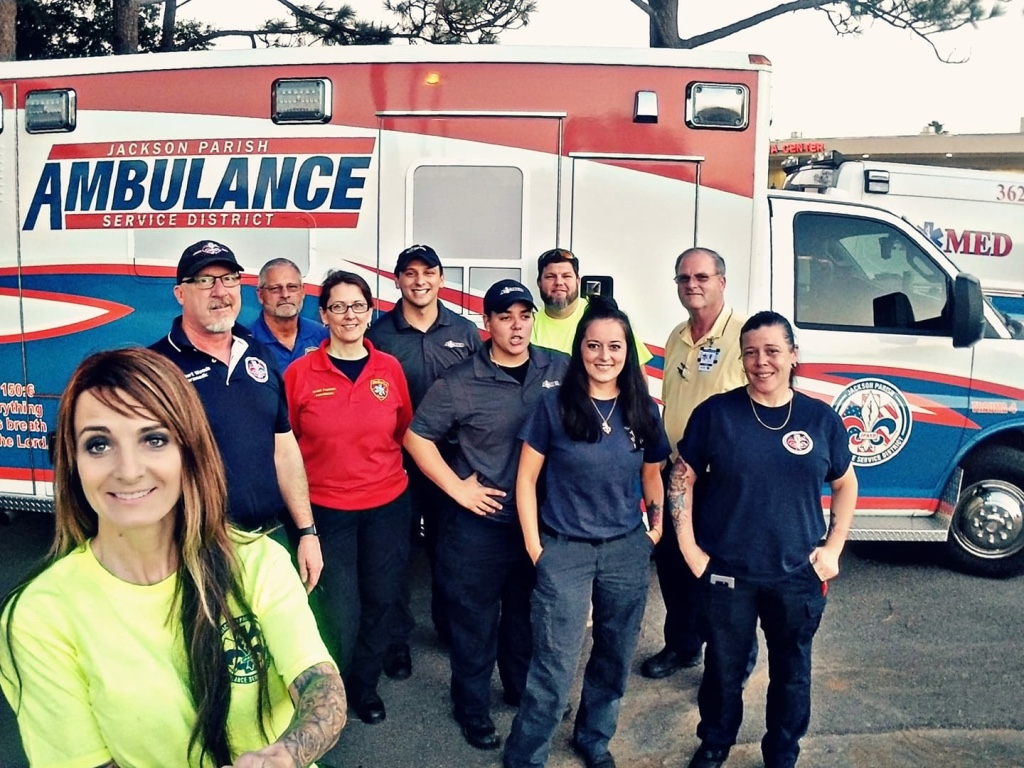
<point>257,369</point>
<point>798,442</point>
<point>379,388</point>
<point>452,344</point>
<point>707,357</point>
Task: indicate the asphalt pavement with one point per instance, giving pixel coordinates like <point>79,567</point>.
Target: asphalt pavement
<point>915,666</point>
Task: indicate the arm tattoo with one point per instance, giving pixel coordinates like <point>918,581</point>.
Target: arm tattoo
<point>320,712</point>
<point>654,514</point>
<point>678,503</point>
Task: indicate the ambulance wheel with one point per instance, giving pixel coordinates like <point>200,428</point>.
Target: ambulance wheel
<point>986,536</point>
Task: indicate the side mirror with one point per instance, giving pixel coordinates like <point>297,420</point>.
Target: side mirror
<point>968,311</point>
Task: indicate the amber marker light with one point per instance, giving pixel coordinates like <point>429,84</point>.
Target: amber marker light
<point>434,78</point>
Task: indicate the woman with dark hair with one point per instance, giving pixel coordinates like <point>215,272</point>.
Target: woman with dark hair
<point>349,406</point>
<point>600,443</point>
<point>154,634</point>
<point>754,541</point>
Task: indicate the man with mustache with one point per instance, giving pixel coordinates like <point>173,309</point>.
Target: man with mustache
<point>280,326</point>
<point>243,395</point>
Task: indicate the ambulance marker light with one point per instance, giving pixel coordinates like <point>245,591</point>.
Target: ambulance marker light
<point>433,78</point>
<point>50,111</point>
<point>645,107</point>
<point>301,101</point>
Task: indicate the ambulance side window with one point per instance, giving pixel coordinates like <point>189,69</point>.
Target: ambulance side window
<point>863,274</point>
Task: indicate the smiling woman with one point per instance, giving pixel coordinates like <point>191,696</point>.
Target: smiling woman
<point>241,675</point>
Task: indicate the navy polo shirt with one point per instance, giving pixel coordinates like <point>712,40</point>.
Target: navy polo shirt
<point>307,340</point>
<point>245,404</point>
<point>484,407</point>
<point>425,355</point>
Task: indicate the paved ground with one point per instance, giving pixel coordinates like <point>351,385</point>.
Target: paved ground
<point>915,667</point>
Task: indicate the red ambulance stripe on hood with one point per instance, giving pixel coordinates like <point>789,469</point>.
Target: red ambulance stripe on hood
<point>213,146</point>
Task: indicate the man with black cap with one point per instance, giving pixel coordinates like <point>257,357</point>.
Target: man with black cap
<point>427,338</point>
<point>483,568</point>
<point>243,396</point>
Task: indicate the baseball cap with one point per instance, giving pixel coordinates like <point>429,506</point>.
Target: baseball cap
<point>423,253</point>
<point>557,256</point>
<point>504,293</point>
<point>203,254</point>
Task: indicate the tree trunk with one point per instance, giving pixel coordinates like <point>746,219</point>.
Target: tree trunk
<point>8,16</point>
<point>126,26</point>
<point>664,23</point>
<point>170,18</point>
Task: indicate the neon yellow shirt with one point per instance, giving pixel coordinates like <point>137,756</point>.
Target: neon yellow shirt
<point>103,671</point>
<point>697,369</point>
<point>558,333</point>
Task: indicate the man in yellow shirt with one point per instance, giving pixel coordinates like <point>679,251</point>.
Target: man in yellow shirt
<point>702,358</point>
<point>558,279</point>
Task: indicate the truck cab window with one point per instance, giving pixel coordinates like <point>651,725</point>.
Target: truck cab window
<point>863,274</point>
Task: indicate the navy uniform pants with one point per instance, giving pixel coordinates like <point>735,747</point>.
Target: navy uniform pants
<point>790,612</point>
<point>359,594</point>
<point>614,575</point>
<point>486,577</point>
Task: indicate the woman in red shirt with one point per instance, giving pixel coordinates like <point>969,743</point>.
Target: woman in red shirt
<point>349,406</point>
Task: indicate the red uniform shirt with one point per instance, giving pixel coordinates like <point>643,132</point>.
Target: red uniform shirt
<point>350,433</point>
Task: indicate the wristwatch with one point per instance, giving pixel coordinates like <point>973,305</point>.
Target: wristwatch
<point>309,530</point>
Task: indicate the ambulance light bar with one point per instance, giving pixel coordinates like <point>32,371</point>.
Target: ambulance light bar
<point>301,101</point>
<point>50,111</point>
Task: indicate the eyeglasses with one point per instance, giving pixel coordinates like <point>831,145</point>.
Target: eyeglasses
<point>700,278</point>
<point>277,290</point>
<point>206,282</point>
<point>341,308</point>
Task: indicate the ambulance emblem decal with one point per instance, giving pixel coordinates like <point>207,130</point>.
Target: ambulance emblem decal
<point>257,369</point>
<point>379,388</point>
<point>877,419</point>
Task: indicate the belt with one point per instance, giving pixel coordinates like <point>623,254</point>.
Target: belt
<point>583,539</point>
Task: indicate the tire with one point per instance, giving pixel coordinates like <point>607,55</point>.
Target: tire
<point>986,535</point>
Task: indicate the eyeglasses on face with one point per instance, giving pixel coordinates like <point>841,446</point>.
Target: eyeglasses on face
<point>700,278</point>
<point>206,282</point>
<point>341,308</point>
<point>277,290</point>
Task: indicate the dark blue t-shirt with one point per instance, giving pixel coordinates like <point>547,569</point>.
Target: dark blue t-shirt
<point>760,512</point>
<point>593,489</point>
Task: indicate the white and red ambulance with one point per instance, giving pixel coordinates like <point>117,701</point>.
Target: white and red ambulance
<point>341,157</point>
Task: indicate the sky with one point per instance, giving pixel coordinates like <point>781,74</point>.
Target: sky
<point>884,82</point>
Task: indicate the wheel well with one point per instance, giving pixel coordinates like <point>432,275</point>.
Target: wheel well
<point>1008,438</point>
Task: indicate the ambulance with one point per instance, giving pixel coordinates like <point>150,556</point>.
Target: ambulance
<point>974,217</point>
<point>342,157</point>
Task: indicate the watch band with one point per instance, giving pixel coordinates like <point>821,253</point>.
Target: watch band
<point>309,530</point>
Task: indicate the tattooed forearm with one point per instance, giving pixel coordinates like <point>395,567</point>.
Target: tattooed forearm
<point>677,498</point>
<point>320,712</point>
<point>654,515</point>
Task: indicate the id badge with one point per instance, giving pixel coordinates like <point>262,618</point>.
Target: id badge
<point>707,358</point>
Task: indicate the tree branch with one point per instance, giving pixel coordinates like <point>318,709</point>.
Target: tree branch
<point>731,29</point>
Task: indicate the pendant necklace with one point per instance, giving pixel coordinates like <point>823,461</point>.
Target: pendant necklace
<point>773,429</point>
<point>605,426</point>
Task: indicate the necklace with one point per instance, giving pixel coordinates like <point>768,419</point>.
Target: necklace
<point>605,426</point>
<point>773,429</point>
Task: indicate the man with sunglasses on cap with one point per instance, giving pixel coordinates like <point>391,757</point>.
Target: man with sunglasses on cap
<point>427,338</point>
<point>702,358</point>
<point>558,280</point>
<point>243,395</point>
<point>483,567</point>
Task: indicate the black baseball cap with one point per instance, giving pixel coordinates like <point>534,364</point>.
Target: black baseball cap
<point>423,253</point>
<point>202,254</point>
<point>504,293</point>
<point>557,256</point>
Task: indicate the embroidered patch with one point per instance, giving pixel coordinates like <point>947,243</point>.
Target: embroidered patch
<point>454,344</point>
<point>257,369</point>
<point>877,419</point>
<point>238,656</point>
<point>379,388</point>
<point>546,384</point>
<point>798,442</point>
